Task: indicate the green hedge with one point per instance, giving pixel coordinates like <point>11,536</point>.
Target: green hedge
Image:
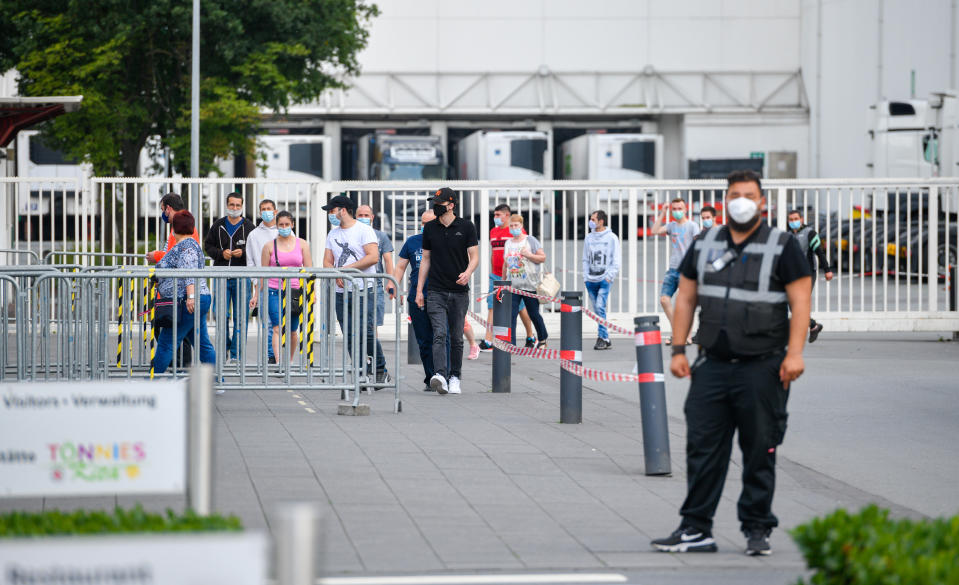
<point>56,522</point>
<point>868,548</point>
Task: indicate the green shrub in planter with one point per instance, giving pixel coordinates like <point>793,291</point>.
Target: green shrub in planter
<point>868,548</point>
<point>55,522</point>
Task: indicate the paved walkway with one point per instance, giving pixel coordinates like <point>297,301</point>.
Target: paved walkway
<point>492,482</point>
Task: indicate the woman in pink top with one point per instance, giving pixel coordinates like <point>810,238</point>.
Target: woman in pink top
<point>290,251</point>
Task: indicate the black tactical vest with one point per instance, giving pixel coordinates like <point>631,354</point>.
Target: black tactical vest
<point>740,293</point>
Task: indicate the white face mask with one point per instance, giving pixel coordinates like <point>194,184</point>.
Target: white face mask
<point>234,213</point>
<point>742,209</point>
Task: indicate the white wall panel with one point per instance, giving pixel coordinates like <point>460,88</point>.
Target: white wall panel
<point>574,44</point>
<point>685,44</point>
<point>737,136</point>
<point>492,9</point>
<point>402,45</point>
<point>761,8</point>
<point>605,9</point>
<point>686,9</point>
<point>489,45</point>
<point>767,43</point>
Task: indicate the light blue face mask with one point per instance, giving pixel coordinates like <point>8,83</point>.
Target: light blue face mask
<point>795,225</point>
<point>333,221</point>
<point>365,220</point>
<point>497,221</point>
<point>707,223</point>
<point>285,232</point>
<point>267,215</point>
<point>678,215</point>
<point>592,224</point>
<point>515,233</point>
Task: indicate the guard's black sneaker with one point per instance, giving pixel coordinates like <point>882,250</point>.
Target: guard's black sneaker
<point>530,342</point>
<point>602,343</point>
<point>686,539</point>
<point>814,332</point>
<point>757,542</point>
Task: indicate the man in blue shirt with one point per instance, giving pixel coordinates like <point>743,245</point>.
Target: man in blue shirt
<point>411,254</point>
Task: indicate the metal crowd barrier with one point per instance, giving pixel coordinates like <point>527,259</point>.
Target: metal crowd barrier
<point>96,323</point>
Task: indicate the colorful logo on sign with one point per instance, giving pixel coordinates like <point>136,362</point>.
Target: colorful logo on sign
<point>96,462</point>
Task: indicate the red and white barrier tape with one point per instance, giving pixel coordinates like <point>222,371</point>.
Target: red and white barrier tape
<point>607,324</point>
<point>541,354</point>
<point>601,376</point>
<point>524,293</point>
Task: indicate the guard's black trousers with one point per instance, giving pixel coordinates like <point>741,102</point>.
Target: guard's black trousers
<point>725,397</point>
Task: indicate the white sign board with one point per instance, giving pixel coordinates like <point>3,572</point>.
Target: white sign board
<point>80,438</point>
<point>180,559</point>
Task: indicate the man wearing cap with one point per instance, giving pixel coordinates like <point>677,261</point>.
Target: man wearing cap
<point>450,256</point>
<point>351,244</point>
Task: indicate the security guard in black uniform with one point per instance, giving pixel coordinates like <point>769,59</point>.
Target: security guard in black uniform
<point>746,277</point>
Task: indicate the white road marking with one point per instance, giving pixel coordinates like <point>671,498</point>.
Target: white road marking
<point>302,403</point>
<point>311,411</point>
<point>297,396</point>
<point>477,579</point>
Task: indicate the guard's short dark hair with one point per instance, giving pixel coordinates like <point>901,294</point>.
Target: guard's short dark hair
<point>743,176</point>
<point>601,215</point>
<point>234,195</point>
<point>172,200</point>
<point>708,208</point>
<point>270,201</point>
<point>503,207</point>
<point>183,223</point>
<point>792,211</point>
<point>285,213</point>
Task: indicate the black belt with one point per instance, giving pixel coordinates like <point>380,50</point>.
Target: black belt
<point>744,358</point>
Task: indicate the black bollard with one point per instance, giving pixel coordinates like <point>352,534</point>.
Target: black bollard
<point>571,349</point>
<point>953,296</point>
<point>502,312</point>
<point>652,395</point>
<point>412,348</point>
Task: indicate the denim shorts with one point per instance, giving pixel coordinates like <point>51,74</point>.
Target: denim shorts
<point>489,299</point>
<point>670,283</point>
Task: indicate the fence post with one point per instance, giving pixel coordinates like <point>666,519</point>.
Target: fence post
<point>652,395</point>
<point>295,547</point>
<point>571,349</point>
<point>502,312</point>
<point>782,208</point>
<point>200,440</point>
<point>932,249</point>
<point>953,293</point>
<point>412,348</point>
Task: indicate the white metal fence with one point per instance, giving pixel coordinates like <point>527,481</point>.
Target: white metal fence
<point>889,241</point>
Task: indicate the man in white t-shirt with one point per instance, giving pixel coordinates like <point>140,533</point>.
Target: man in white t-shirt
<point>681,234</point>
<point>259,237</point>
<point>351,244</point>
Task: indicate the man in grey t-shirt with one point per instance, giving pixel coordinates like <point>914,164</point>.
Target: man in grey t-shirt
<point>681,232</point>
<point>364,214</point>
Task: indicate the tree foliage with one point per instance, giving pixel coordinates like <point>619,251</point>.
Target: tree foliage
<point>131,60</point>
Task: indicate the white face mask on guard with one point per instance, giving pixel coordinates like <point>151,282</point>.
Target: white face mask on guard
<point>742,209</point>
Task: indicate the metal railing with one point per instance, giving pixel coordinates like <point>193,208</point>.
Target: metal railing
<point>98,324</point>
<point>888,241</point>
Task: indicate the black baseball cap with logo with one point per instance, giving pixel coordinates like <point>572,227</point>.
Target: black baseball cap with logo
<point>444,195</point>
<point>340,201</point>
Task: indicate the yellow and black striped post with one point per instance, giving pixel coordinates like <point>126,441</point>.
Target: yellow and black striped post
<point>311,307</point>
<point>283,296</point>
<point>302,315</point>
<point>146,308</point>
<point>132,312</point>
<point>153,331</point>
<point>119,321</point>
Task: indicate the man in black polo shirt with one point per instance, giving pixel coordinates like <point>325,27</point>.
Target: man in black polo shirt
<point>450,255</point>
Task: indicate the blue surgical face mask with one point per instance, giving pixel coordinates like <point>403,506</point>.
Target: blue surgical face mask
<point>163,217</point>
<point>707,223</point>
<point>365,220</point>
<point>285,232</point>
<point>515,232</point>
<point>497,221</point>
<point>795,225</point>
<point>592,224</point>
<point>267,215</point>
<point>333,220</point>
<point>678,215</point>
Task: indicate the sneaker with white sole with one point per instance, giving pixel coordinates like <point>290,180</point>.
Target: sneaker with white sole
<point>454,387</point>
<point>438,383</point>
<point>757,542</point>
<point>220,391</point>
<point>474,352</point>
<point>686,539</point>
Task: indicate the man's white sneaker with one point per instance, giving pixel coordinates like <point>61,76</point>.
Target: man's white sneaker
<point>455,385</point>
<point>220,391</point>
<point>438,383</point>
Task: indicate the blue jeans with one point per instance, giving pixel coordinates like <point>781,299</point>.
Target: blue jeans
<point>343,305</point>
<point>598,295</point>
<point>423,331</point>
<point>670,283</point>
<point>184,327</point>
<point>240,314</point>
<point>532,307</point>
<point>380,302</point>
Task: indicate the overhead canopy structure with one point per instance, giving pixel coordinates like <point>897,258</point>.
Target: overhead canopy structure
<point>550,93</point>
<point>18,113</point>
